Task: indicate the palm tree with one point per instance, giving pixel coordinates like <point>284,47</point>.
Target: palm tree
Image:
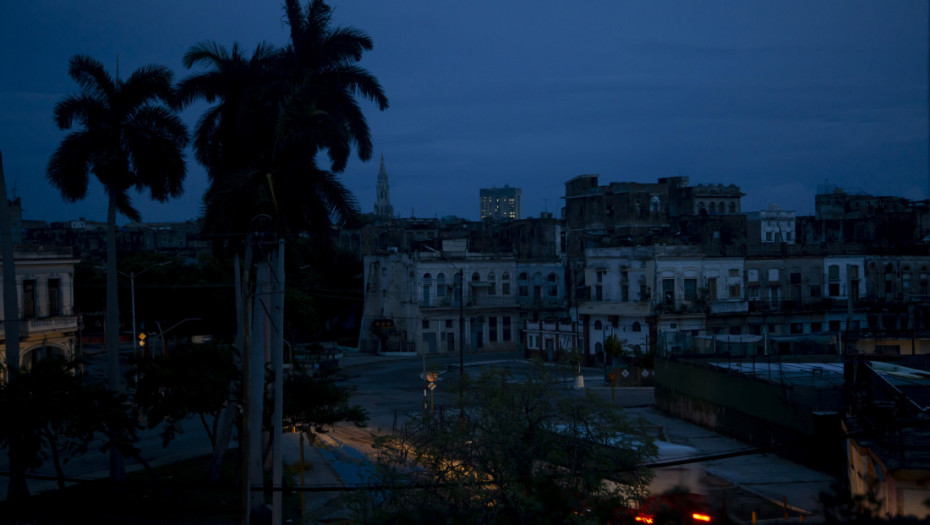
<point>129,137</point>
<point>275,112</point>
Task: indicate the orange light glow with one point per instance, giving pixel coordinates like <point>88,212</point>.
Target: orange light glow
<point>701,517</point>
<point>644,518</point>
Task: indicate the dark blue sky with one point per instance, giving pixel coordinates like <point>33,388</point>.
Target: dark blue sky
<point>774,96</point>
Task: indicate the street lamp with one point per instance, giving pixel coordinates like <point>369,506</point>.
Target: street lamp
<point>461,319</point>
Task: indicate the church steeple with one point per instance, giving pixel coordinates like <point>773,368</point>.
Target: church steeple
<point>383,206</point>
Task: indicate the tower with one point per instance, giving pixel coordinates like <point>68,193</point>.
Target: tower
<point>383,206</point>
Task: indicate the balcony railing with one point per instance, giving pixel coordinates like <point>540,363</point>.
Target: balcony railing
<point>45,325</point>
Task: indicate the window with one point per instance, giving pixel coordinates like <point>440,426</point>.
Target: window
<point>690,289</point>
<point>505,283</point>
<point>537,285</point>
<point>815,290</point>
<point>797,328</point>
<point>29,299</point>
<point>768,236</point>
<point>834,289</point>
<point>733,272</point>
<point>448,323</point>
<point>795,278</point>
<point>625,292</point>
<point>833,272</point>
<point>735,291</point>
<point>732,207</point>
<point>834,326</point>
<point>441,285</point>
<point>712,288</point>
<point>427,286</point>
<point>552,285</point>
<point>637,327</point>
<point>457,289</point>
<point>752,276</point>
<point>668,291</point>
<point>523,286</point>
<point>492,329</point>
<point>506,323</point>
<point>54,297</point>
<point>598,293</point>
<point>773,275</point>
<point>475,277</point>
<point>598,325</point>
<point>426,324</point>
<point>492,281</point>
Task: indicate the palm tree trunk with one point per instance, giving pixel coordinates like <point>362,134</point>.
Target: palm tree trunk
<point>117,467</point>
<point>17,490</point>
<point>230,412</point>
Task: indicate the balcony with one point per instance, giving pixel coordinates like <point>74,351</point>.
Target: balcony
<point>45,325</point>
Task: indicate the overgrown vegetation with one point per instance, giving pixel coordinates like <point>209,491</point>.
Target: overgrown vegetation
<point>516,454</point>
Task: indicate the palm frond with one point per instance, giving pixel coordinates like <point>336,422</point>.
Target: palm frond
<point>68,167</point>
<point>91,77</point>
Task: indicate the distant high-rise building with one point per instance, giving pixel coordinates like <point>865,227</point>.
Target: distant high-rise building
<point>383,206</point>
<point>501,203</point>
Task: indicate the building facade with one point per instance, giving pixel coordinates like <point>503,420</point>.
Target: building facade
<point>48,324</point>
<point>501,204</point>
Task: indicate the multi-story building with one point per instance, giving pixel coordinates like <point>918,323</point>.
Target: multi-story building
<point>771,226</point>
<point>501,204</point>
<point>437,299</point>
<point>48,324</point>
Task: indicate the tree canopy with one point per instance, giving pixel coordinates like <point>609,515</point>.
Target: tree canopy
<point>518,453</point>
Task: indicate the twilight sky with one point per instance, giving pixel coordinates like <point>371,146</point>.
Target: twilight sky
<point>776,96</point>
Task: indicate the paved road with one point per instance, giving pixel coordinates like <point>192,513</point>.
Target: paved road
<point>391,389</point>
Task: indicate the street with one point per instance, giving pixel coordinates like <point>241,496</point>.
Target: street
<point>391,389</point>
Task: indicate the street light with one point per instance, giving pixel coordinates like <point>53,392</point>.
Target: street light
<point>132,297</point>
<point>461,320</point>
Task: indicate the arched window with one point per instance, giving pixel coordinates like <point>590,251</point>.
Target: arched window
<point>457,288</point>
<point>598,325</point>
<point>732,207</point>
<point>702,208</point>
<point>637,327</point>
<point>720,207</point>
<point>475,277</point>
<point>713,208</point>
<point>505,283</point>
<point>427,287</point>
<point>492,283</point>
<point>552,285</point>
<point>537,285</point>
<point>523,286</point>
<point>441,285</point>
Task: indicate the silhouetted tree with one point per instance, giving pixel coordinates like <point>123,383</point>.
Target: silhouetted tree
<point>129,138</point>
<point>58,417</point>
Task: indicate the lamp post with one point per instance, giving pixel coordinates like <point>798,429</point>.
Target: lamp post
<point>461,320</point>
<point>132,298</point>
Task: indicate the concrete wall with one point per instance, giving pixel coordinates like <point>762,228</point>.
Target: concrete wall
<point>756,411</point>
